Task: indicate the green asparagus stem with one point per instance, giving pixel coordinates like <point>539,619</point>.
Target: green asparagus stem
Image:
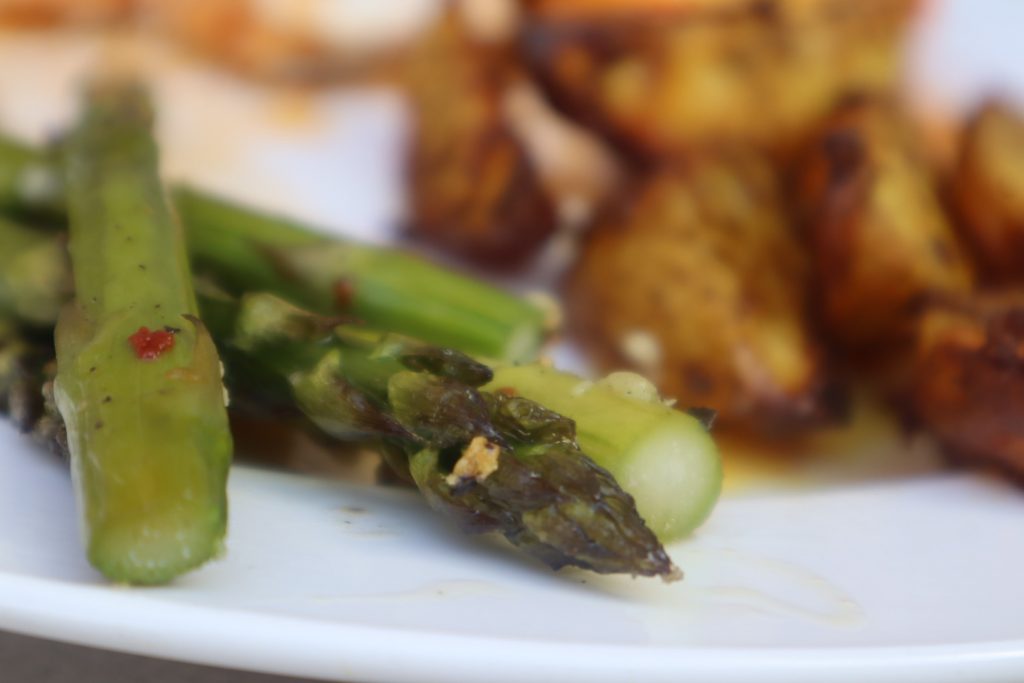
<point>662,456</point>
<point>248,251</point>
<point>21,362</point>
<point>147,427</point>
<point>384,288</point>
<point>489,462</point>
<point>34,280</point>
<point>31,181</point>
<point>27,370</point>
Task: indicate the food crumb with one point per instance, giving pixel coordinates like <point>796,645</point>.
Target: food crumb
<point>478,461</point>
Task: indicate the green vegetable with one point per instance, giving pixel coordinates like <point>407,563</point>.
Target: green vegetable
<point>34,280</point>
<point>384,288</point>
<point>249,251</point>
<point>149,438</point>
<point>489,462</point>
<point>27,370</point>
<point>663,456</point>
<point>31,181</point>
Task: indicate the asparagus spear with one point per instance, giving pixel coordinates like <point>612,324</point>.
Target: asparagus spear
<point>385,288</point>
<point>138,382</point>
<point>34,280</point>
<point>31,181</point>
<point>664,457</point>
<point>490,462</point>
<point>248,251</point>
<point>27,370</point>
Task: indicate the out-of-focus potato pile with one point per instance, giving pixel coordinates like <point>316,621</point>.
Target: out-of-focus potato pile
<point>780,232</point>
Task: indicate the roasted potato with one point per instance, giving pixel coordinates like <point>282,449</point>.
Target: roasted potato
<point>662,76</point>
<point>475,190</point>
<point>695,278</point>
<point>968,382</point>
<point>880,238</point>
<point>988,192</point>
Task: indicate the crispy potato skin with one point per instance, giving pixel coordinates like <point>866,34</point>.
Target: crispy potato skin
<point>697,265</point>
<point>662,77</point>
<point>968,383</point>
<point>988,192</point>
<point>879,236</point>
<point>474,189</point>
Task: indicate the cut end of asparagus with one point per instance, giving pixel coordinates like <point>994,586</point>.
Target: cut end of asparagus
<point>678,498</point>
<point>154,551</point>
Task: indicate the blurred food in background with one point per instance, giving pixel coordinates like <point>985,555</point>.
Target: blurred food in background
<point>879,237</point>
<point>695,277</point>
<point>474,188</point>
<point>988,191</point>
<point>664,77</point>
<point>282,40</point>
<point>968,378</point>
<point>51,12</point>
<point>758,219</point>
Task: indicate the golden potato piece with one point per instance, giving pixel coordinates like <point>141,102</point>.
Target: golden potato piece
<point>696,279</point>
<point>988,190</point>
<point>968,384</point>
<point>880,240</point>
<point>475,190</point>
<point>664,76</point>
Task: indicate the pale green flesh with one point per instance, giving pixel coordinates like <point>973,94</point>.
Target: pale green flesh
<point>663,457</point>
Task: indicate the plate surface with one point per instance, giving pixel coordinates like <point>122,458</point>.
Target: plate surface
<point>902,578</point>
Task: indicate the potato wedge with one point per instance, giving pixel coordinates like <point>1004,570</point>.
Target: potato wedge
<point>695,278</point>
<point>968,382</point>
<point>880,238</point>
<point>662,76</point>
<point>474,189</point>
<point>988,191</point>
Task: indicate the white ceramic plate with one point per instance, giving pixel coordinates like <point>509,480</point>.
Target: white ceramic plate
<point>907,578</point>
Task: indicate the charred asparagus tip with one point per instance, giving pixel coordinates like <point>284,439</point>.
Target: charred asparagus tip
<point>478,461</point>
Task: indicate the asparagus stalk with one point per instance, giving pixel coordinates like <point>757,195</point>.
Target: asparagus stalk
<point>31,181</point>
<point>384,288</point>
<point>21,376</point>
<point>27,370</point>
<point>489,462</point>
<point>138,382</point>
<point>248,251</point>
<point>664,457</point>
<point>34,280</point>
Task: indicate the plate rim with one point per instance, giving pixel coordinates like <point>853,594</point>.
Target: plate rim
<point>108,618</point>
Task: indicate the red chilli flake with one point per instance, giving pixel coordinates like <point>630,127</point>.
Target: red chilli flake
<point>149,345</point>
